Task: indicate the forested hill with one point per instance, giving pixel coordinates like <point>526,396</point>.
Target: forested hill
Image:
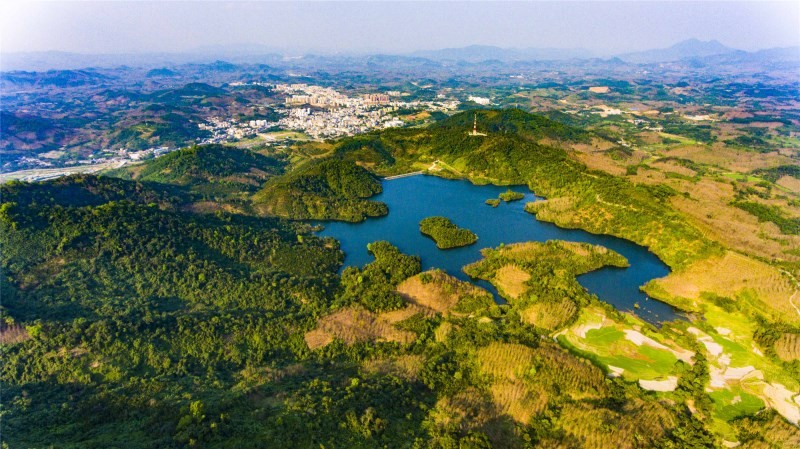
<point>512,121</point>
<point>94,248</point>
<point>126,324</point>
<point>523,148</point>
<point>225,168</point>
<point>129,321</point>
<point>82,191</point>
<point>398,150</point>
<point>331,189</point>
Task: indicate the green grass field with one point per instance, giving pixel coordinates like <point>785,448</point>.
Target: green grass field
<point>609,346</point>
<point>734,403</point>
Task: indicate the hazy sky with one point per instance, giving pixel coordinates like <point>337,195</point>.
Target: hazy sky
<point>605,27</point>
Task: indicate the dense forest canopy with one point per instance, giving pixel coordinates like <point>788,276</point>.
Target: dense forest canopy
<point>445,233</point>
<point>329,189</point>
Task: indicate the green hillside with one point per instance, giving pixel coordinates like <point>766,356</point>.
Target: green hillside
<point>140,326</point>
<point>130,320</point>
<point>330,189</point>
<point>527,149</point>
<point>212,172</point>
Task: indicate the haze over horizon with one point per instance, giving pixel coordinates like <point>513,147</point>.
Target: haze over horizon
<point>604,28</point>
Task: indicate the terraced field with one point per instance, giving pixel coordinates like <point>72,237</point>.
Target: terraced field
<point>754,285</point>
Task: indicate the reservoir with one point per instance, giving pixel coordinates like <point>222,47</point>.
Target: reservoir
<point>413,198</point>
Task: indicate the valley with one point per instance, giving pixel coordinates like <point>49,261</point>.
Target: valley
<point>603,263</point>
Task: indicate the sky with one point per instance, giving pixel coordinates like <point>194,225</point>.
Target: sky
<point>390,27</point>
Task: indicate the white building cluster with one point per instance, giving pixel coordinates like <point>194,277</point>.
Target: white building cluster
<point>480,100</point>
<point>323,113</point>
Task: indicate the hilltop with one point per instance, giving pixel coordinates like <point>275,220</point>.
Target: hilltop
<point>690,48</point>
<point>329,189</point>
<point>207,164</point>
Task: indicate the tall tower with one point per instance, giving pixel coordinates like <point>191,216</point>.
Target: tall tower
<point>475,132</point>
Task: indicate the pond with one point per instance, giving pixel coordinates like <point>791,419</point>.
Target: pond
<point>413,198</point>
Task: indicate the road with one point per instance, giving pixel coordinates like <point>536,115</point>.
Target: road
<point>43,174</point>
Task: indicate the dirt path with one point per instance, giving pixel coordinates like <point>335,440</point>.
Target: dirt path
<point>796,290</point>
<point>602,201</point>
<point>437,165</point>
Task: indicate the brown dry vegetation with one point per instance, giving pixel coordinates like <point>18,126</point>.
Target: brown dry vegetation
<point>728,158</point>
<point>440,294</point>
<point>710,211</point>
<point>13,334</point>
<point>506,360</point>
<point>508,364</point>
<point>353,325</point>
<point>639,419</point>
<point>518,400</point>
<point>318,338</point>
<point>649,175</point>
<point>734,276</point>
<point>774,433</point>
<point>405,366</point>
<point>464,410</point>
<point>511,280</point>
<point>595,157</point>
<point>788,347</point>
<point>523,379</point>
<point>706,203</point>
<point>208,207</point>
<point>788,182</point>
<point>441,332</point>
<point>549,315</point>
<point>669,166</point>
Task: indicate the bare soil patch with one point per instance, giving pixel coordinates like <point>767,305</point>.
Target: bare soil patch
<point>405,366</point>
<point>788,347</point>
<point>737,277</point>
<point>353,325</point>
<point>511,279</point>
<point>440,293</point>
<point>549,315</point>
<point>10,335</point>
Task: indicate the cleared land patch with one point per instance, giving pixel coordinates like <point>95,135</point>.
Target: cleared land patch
<point>549,315</point>
<point>440,292</point>
<point>406,366</point>
<point>618,344</point>
<point>353,325</point>
<point>788,347</point>
<point>790,183</point>
<point>512,279</point>
<point>708,205</point>
<point>749,282</point>
<point>523,378</point>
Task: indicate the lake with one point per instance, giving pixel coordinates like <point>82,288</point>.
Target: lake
<point>413,198</point>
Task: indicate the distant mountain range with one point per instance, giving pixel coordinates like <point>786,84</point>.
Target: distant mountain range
<point>691,48</point>
<point>702,52</point>
<point>478,53</point>
<point>688,49</point>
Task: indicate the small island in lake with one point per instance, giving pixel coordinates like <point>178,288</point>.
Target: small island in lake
<point>510,195</point>
<point>494,202</point>
<point>445,233</point>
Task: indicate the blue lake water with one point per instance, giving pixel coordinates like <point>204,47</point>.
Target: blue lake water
<point>413,198</point>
